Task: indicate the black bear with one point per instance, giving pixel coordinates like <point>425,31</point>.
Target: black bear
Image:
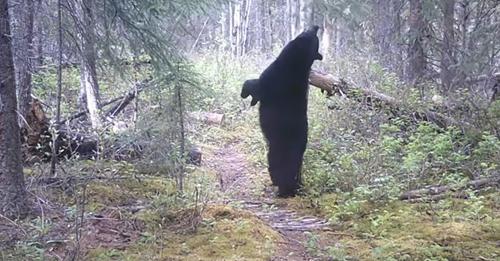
<point>282,91</point>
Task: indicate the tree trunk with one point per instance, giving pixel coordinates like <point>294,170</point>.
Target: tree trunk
<point>396,41</point>
<point>88,71</point>
<point>13,197</point>
<point>382,30</point>
<point>288,20</point>
<point>326,40</point>
<point>271,23</point>
<point>416,58</point>
<point>90,96</point>
<point>294,18</point>
<point>306,14</point>
<point>263,26</point>
<point>236,24</point>
<point>223,29</point>
<point>231,28</point>
<point>39,34</point>
<point>26,64</point>
<point>55,134</point>
<point>245,24</point>
<point>447,59</point>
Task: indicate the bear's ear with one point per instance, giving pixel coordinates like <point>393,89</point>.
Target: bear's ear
<point>318,57</point>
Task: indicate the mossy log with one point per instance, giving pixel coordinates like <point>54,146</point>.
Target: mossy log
<point>434,193</point>
<point>338,86</point>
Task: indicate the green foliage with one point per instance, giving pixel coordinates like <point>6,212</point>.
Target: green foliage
<point>431,148</point>
<point>487,153</point>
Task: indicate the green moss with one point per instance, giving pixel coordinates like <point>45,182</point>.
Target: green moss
<point>224,234</point>
<point>452,229</point>
<point>125,192</point>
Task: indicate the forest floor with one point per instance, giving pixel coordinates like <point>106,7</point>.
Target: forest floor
<point>114,210</point>
<point>245,186</point>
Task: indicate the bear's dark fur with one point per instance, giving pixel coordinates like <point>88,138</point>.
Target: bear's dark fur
<point>250,87</point>
<point>282,91</point>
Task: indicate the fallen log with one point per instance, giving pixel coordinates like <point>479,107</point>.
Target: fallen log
<point>338,86</point>
<point>36,137</point>
<point>125,100</point>
<point>439,192</point>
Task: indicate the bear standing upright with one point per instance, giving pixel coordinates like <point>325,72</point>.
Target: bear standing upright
<point>282,90</point>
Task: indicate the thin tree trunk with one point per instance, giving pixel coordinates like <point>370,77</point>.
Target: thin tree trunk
<point>326,41</point>
<point>447,59</point>
<point>396,40</point>
<point>231,28</point>
<point>416,58</point>
<point>245,24</point>
<point>55,134</point>
<point>271,24</point>
<point>90,96</point>
<point>13,196</point>
<point>305,14</point>
<point>288,20</point>
<point>182,135</point>
<point>25,60</point>
<point>223,28</point>
<point>294,18</point>
<point>237,27</point>
<point>338,38</point>
<point>39,34</point>
<point>263,26</point>
<point>88,71</point>
<point>382,30</point>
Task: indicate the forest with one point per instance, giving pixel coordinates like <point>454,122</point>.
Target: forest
<point>250,130</point>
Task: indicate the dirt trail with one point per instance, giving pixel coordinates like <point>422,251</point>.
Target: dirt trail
<point>243,186</point>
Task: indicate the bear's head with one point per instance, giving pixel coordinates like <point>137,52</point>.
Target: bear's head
<point>312,42</point>
<point>303,50</point>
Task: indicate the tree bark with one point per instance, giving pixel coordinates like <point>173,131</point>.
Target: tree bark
<point>263,26</point>
<point>447,57</point>
<point>13,196</point>
<point>306,14</point>
<point>245,24</point>
<point>55,134</point>
<point>88,72</point>
<point>326,40</point>
<point>236,27</point>
<point>382,30</point>
<point>416,58</point>
<point>39,34</point>
<point>396,41</point>
<point>24,65</point>
<point>294,18</point>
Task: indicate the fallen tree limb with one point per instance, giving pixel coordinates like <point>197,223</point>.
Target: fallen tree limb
<point>438,192</point>
<point>70,141</point>
<point>126,99</point>
<point>83,113</point>
<point>338,86</point>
